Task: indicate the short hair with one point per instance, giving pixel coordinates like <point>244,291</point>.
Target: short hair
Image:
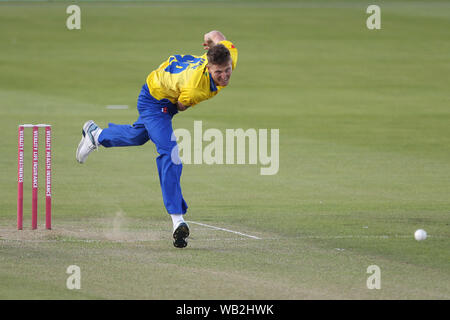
<point>218,55</point>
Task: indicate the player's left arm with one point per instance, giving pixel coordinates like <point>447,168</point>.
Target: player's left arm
<point>190,97</point>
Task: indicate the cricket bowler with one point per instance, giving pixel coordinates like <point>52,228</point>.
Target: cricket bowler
<point>181,82</point>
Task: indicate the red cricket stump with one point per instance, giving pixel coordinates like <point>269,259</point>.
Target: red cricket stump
<point>20,180</point>
<point>48,177</point>
<point>35,173</point>
<point>34,180</point>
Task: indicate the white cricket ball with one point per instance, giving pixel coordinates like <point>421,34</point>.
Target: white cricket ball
<point>420,235</point>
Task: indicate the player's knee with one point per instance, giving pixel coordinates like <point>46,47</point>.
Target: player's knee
<point>140,141</point>
<point>170,152</point>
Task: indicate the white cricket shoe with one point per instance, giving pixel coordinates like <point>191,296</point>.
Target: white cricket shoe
<point>180,235</point>
<point>89,142</point>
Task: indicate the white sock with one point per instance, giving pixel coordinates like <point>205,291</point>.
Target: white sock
<point>177,219</point>
<point>96,135</point>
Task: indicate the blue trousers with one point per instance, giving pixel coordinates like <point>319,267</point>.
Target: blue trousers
<point>154,123</point>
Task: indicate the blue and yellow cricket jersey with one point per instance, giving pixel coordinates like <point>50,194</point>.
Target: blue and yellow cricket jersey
<point>185,78</point>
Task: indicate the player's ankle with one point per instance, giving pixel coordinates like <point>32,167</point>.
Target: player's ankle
<point>177,219</point>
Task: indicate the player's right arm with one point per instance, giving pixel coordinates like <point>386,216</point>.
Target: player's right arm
<point>212,38</point>
<point>215,37</point>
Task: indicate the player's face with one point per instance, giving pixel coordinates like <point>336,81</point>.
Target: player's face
<point>221,74</point>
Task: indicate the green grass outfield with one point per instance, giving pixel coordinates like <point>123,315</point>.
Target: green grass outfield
<point>364,122</point>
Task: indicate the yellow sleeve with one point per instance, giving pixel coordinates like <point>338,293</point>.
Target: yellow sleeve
<point>192,96</point>
<point>233,51</point>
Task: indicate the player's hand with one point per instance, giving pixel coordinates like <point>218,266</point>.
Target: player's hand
<point>207,41</point>
<point>206,46</point>
<point>212,38</point>
<point>181,107</point>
